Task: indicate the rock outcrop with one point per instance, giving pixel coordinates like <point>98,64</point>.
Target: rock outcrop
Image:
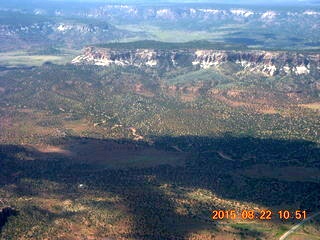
<point>269,63</point>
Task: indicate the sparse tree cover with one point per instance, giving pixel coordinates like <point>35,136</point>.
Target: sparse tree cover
<point>169,112</point>
<point>74,170</point>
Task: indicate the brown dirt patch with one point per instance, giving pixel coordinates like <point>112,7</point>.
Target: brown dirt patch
<point>234,93</point>
<point>229,102</point>
<point>314,106</point>
<point>25,110</point>
<point>268,110</point>
<point>259,106</point>
<point>5,122</point>
<point>78,126</point>
<point>51,149</point>
<point>187,97</point>
<point>141,90</point>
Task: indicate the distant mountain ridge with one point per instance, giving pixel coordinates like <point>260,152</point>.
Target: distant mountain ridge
<point>20,30</point>
<point>80,24</point>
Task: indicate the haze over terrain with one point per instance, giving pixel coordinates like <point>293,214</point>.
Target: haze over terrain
<point>138,119</point>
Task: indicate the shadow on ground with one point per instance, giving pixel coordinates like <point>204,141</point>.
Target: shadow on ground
<point>241,169</point>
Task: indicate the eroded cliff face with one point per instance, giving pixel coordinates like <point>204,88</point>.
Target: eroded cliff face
<point>264,62</point>
<point>269,63</point>
<point>106,57</point>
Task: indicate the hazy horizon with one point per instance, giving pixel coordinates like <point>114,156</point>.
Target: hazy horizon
<point>262,2</point>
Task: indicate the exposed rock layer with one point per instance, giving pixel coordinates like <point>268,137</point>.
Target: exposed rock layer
<point>265,62</point>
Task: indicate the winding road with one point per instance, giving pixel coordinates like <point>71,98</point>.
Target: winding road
<point>295,227</point>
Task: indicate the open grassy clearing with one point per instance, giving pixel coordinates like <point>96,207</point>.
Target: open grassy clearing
<point>173,35</point>
<point>27,58</point>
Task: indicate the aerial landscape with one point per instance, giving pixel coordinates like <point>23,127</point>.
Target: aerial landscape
<point>159,120</point>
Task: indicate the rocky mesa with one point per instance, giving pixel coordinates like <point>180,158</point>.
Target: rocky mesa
<point>269,63</point>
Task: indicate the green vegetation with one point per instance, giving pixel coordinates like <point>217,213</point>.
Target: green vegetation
<point>139,153</point>
<point>218,103</point>
<point>134,153</point>
<point>37,58</point>
<point>282,230</point>
<point>151,44</point>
